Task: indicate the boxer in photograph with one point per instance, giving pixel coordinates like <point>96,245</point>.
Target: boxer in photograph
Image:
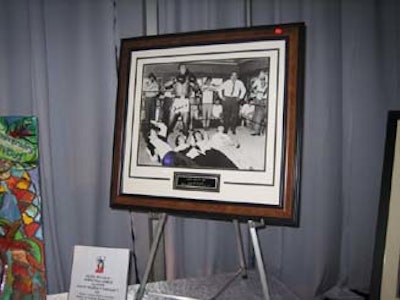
<point>182,85</point>
<point>231,92</point>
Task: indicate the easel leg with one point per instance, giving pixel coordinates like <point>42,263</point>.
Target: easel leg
<point>158,269</point>
<point>239,241</point>
<point>153,251</point>
<point>259,259</point>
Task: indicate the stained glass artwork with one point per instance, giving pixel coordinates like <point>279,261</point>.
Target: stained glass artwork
<point>22,263</point>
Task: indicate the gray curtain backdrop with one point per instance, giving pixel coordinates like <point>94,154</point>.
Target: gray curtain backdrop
<point>58,61</point>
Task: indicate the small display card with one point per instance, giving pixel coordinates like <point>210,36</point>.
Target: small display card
<point>99,273</point>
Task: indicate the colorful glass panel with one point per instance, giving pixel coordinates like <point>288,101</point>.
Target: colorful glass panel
<point>21,233</point>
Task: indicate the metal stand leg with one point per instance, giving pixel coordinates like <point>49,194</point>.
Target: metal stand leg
<point>239,243</point>
<point>153,251</point>
<point>259,259</point>
<point>158,271</point>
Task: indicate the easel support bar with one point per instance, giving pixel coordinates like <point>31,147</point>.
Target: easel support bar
<point>239,243</point>
<point>259,259</point>
<point>153,251</point>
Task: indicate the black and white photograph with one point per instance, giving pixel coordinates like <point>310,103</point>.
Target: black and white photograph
<point>210,114</point>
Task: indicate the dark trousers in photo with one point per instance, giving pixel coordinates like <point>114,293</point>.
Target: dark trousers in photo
<point>230,113</point>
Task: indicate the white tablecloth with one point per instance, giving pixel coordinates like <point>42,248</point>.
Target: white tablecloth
<point>205,287</point>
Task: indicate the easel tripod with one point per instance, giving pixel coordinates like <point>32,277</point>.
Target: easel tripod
<point>253,226</point>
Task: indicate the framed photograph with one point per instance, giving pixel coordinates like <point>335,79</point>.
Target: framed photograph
<point>209,123</point>
<point>386,267</point>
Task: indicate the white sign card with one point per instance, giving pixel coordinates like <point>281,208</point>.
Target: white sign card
<point>99,273</point>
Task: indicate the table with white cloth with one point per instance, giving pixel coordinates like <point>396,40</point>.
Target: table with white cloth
<point>206,287</point>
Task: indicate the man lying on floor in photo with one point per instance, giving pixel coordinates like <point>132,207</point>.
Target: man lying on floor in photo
<point>194,150</point>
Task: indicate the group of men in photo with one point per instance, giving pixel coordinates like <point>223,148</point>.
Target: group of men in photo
<point>183,105</point>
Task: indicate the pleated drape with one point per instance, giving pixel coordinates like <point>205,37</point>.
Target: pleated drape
<point>58,61</point>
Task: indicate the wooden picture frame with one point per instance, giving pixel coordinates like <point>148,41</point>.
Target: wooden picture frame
<point>385,282</point>
<point>236,164</point>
